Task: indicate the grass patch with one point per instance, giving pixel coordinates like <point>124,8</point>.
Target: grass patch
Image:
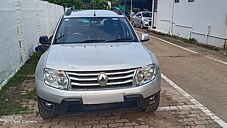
<point>194,41</point>
<point>31,95</point>
<point>11,108</point>
<point>10,94</point>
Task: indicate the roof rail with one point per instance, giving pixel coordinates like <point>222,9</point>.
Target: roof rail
<point>69,11</point>
<point>117,10</point>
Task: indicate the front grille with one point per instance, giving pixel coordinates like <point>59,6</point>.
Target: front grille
<point>88,79</point>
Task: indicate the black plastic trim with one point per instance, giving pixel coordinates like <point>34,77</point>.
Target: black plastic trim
<point>75,105</point>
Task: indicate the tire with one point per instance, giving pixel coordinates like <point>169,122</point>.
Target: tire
<point>133,24</point>
<point>141,25</point>
<point>45,114</point>
<point>153,107</point>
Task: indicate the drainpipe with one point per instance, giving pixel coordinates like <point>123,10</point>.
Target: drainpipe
<point>131,12</point>
<point>208,33</point>
<point>190,32</point>
<point>171,28</point>
<point>152,22</point>
<point>225,47</point>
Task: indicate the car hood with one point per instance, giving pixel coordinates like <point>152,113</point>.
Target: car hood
<point>97,56</point>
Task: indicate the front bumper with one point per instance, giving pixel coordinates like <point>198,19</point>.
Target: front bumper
<point>146,24</point>
<point>57,96</point>
<point>75,105</point>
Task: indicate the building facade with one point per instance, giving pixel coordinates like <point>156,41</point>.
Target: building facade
<point>204,20</point>
<point>125,5</point>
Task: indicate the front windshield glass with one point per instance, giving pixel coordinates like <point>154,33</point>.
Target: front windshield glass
<point>147,14</point>
<point>94,29</point>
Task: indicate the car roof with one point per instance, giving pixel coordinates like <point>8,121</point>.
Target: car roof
<point>90,13</point>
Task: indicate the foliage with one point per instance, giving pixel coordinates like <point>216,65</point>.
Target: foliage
<point>115,3</point>
<point>99,4</point>
<point>79,4</point>
<point>68,3</point>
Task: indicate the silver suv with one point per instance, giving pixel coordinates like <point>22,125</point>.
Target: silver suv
<point>96,62</point>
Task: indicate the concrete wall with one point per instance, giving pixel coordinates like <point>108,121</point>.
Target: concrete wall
<point>21,24</point>
<point>204,20</point>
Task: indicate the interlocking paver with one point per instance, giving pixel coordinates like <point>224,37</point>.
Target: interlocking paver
<point>199,126</point>
<point>189,119</point>
<point>201,122</point>
<point>126,127</point>
<point>70,126</point>
<point>91,122</point>
<point>213,126</point>
<point>105,114</point>
<point>84,126</point>
<point>100,126</point>
<point>74,123</point>
<point>121,120</point>
<point>115,125</point>
<point>142,126</point>
<point>204,118</point>
<point>106,121</point>
<point>98,118</point>
<point>113,117</point>
<point>180,116</point>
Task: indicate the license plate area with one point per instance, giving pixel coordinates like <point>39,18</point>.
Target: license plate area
<point>102,98</point>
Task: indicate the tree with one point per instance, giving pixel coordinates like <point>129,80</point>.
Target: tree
<point>115,3</point>
<point>98,4</point>
<point>68,3</point>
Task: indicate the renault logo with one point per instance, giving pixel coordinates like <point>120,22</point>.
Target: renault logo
<point>102,79</point>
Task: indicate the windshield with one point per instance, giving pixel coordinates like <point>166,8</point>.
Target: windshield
<point>147,14</point>
<point>94,29</point>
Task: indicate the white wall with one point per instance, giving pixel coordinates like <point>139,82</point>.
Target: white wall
<point>204,20</point>
<point>21,24</point>
<point>164,16</point>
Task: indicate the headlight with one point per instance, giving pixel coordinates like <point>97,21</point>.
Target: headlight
<point>146,20</point>
<point>55,78</point>
<point>145,74</point>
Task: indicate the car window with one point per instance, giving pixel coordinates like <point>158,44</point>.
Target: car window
<point>147,14</point>
<point>91,29</point>
<point>138,15</point>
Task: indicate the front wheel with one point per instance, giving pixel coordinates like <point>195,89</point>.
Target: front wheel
<point>133,24</point>
<point>141,25</point>
<point>45,114</point>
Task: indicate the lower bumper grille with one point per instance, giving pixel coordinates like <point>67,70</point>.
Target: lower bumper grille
<point>102,107</point>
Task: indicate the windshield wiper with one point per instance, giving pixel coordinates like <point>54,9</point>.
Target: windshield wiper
<point>121,39</point>
<point>91,41</point>
<point>55,40</point>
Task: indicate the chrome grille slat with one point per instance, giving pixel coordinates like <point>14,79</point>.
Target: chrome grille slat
<point>88,79</point>
<point>78,84</point>
<point>119,82</point>
<point>108,84</point>
<point>93,79</point>
<point>81,79</point>
<point>95,74</point>
<point>114,78</point>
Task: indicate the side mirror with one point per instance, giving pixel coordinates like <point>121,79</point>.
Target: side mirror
<point>44,40</point>
<point>145,37</point>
